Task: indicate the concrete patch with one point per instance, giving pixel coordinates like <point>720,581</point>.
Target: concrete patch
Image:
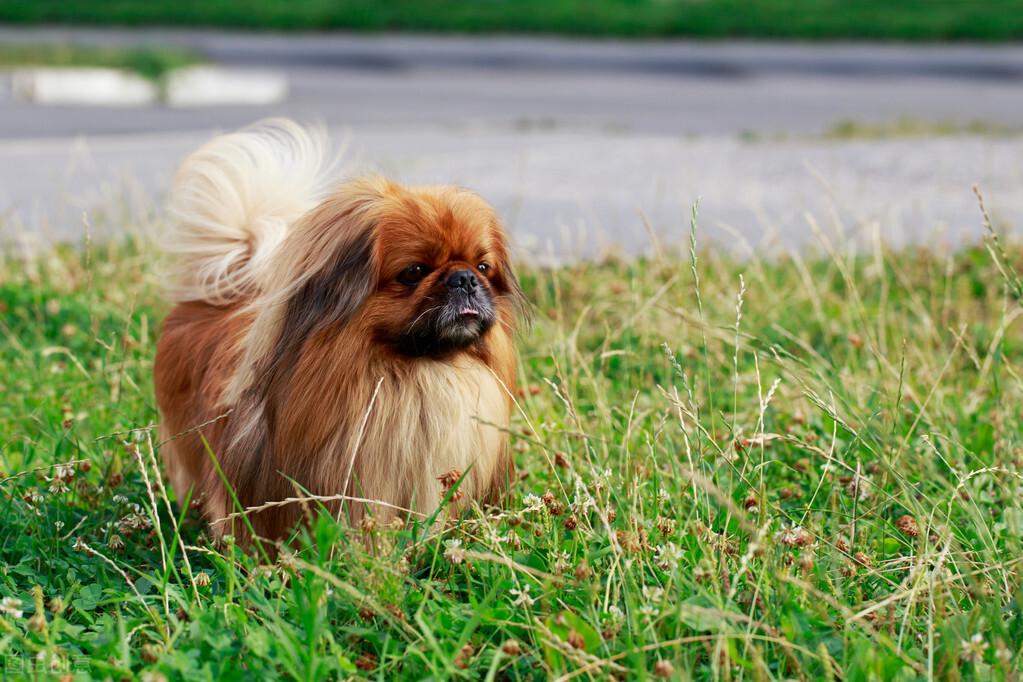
<point>201,86</point>
<point>83,86</point>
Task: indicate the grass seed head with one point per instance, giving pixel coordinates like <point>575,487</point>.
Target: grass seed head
<point>366,663</point>
<point>750,505</point>
<point>863,560</point>
<point>463,657</point>
<point>907,524</point>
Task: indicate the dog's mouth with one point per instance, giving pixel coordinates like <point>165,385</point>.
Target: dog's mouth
<point>457,322</point>
<point>463,321</point>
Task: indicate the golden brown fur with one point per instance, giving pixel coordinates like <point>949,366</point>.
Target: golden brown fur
<point>339,369</point>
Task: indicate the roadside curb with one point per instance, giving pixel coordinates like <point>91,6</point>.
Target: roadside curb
<point>197,86</point>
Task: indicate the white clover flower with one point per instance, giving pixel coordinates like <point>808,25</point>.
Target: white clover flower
<point>702,572</point>
<point>115,542</point>
<point>932,577</point>
<point>560,562</point>
<point>662,496</point>
<point>140,522</point>
<point>512,540</point>
<point>11,606</point>
<point>973,650</point>
<point>601,479</point>
<point>454,553</point>
<point>522,597</point>
<point>64,473</point>
<point>653,593</point>
<point>666,557</point>
<point>583,502</point>
<point>792,536</point>
<point>287,561</point>
<point>533,503</point>
<point>58,525</point>
<point>580,485</point>
<point>1003,654</point>
<point>120,499</point>
<point>648,613</point>
<point>202,579</point>
<point>53,662</point>
<point>616,615</point>
<point>491,535</point>
<point>58,487</point>
<point>79,545</point>
<point>862,487</point>
<point>582,505</point>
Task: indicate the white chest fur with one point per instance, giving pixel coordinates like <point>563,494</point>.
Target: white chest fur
<point>441,415</point>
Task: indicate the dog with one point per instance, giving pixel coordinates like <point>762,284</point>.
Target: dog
<point>351,340</point>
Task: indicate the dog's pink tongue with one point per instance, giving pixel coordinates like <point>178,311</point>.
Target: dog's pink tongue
<point>469,311</point>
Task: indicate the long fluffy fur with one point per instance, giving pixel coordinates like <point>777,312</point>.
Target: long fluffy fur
<point>272,361</point>
<point>233,202</point>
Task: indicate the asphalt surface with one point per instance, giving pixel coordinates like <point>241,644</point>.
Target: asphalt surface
<point>569,139</point>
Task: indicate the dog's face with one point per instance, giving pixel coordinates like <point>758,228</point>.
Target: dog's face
<point>416,271</point>
<point>444,280</point>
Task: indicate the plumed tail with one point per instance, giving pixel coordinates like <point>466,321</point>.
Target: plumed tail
<point>232,204</point>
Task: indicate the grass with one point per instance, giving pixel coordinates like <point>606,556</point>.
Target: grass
<point>851,129</point>
<point>149,62</point>
<point>904,20</point>
<point>800,468</point>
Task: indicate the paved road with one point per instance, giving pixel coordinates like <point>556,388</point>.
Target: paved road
<point>569,138</point>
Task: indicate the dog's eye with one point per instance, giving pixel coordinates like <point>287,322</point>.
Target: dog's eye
<point>483,268</point>
<point>412,274</point>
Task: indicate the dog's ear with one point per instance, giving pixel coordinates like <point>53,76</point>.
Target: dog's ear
<point>336,291</point>
<point>507,282</point>
<point>324,271</point>
<point>331,255</point>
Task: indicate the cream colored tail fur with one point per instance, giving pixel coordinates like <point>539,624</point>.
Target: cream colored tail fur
<point>233,202</point>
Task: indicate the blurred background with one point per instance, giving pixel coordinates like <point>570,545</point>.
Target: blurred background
<point>593,126</point>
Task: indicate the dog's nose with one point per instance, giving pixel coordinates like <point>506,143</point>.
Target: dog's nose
<point>463,279</point>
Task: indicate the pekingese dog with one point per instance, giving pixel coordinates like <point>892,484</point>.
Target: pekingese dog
<point>355,339</point>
